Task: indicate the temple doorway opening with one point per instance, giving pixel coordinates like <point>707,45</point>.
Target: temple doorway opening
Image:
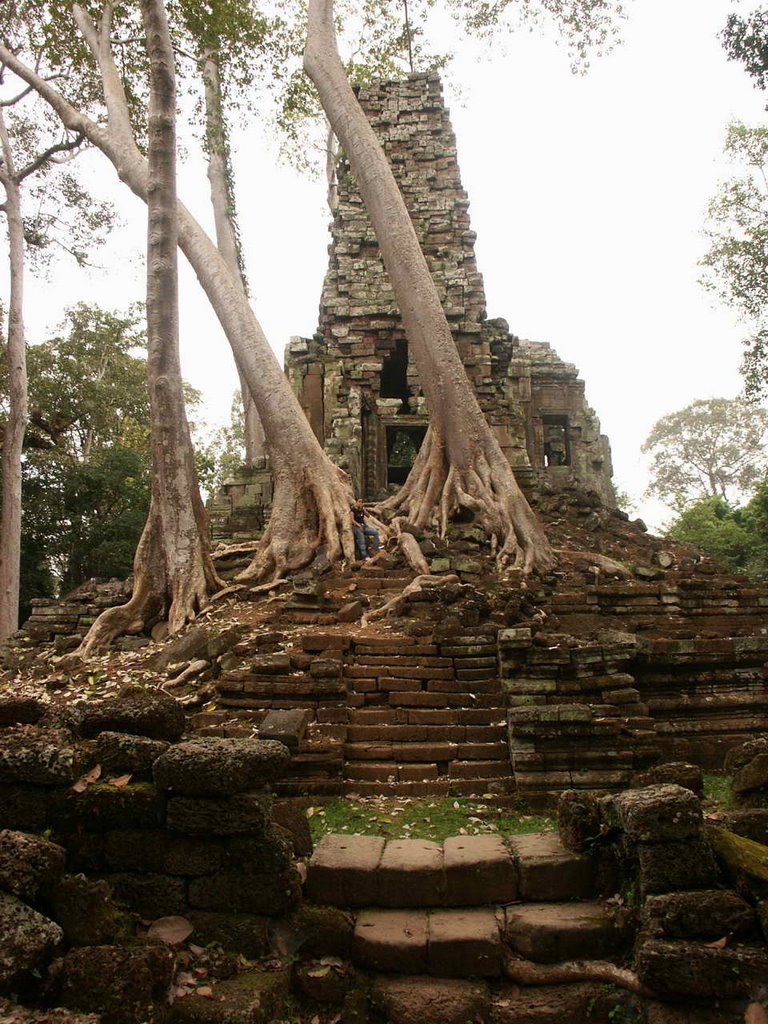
<point>403,445</point>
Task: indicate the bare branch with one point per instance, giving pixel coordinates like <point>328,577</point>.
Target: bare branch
<point>49,154</point>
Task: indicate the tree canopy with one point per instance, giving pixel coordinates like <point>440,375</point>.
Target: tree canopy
<point>713,448</point>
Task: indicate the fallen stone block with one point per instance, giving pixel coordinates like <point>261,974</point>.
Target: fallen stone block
<point>654,814</point>
<point>254,997</point>
<point>149,713</point>
<point>102,808</point>
<point>30,866</point>
<point>40,756</point>
<point>212,766</point>
<point>693,969</point>
<point>122,984</point>
<point>27,941</point>
<point>121,752</point>
<point>244,813</point>
<point>700,914</point>
<point>668,867</point>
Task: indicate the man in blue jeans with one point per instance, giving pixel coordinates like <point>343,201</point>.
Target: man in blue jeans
<point>362,531</point>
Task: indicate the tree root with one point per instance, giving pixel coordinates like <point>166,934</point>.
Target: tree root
<point>409,547</point>
<point>177,592</point>
<point>602,562</point>
<point>305,515</point>
<point>527,973</point>
<point>395,604</point>
<point>482,483</point>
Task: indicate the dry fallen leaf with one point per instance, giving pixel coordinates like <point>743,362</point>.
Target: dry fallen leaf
<point>172,930</point>
<point>87,780</point>
<point>120,781</point>
<point>756,1014</point>
<point>205,991</point>
<point>718,943</point>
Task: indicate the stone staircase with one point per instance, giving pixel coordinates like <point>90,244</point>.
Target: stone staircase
<point>457,909</point>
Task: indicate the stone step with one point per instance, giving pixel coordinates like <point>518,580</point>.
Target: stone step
<point>360,871</point>
<point>443,943</point>
<point>547,872</point>
<point>428,751</point>
<point>549,933</point>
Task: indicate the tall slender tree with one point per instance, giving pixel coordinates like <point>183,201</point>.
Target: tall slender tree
<point>460,464</point>
<point>173,571</point>
<point>32,148</point>
<point>311,495</point>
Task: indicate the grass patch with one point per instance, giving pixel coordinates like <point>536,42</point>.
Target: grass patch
<point>436,818</point>
<point>717,789</point>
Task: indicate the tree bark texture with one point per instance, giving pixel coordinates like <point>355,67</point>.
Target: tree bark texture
<point>173,571</point>
<point>460,464</point>
<point>311,495</point>
<point>219,176</point>
<point>13,438</point>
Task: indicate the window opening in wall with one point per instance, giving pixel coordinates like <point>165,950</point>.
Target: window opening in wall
<point>394,375</point>
<point>403,445</point>
<point>556,449</point>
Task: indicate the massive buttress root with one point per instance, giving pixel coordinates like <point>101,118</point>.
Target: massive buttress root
<point>309,509</point>
<point>477,478</point>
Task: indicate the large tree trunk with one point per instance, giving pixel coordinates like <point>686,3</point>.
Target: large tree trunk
<point>173,571</point>
<point>460,464</point>
<point>222,201</point>
<point>13,437</point>
<point>311,496</point>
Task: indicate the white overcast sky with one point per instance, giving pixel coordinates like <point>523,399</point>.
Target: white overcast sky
<point>588,195</point>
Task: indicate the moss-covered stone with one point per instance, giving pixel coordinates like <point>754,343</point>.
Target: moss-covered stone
<point>102,808</point>
<point>141,713</point>
<point>242,814</point>
<point>315,930</point>
<point>23,807</point>
<point>247,934</point>
<point>255,997</point>
<point>120,752</point>
<point>324,981</point>
<point>150,895</point>
<point>249,894</point>
<point>86,912</point>
<point>41,756</point>
<point>124,985</point>
<point>30,866</point>
<point>27,941</point>
<point>161,852</point>
<point>266,854</point>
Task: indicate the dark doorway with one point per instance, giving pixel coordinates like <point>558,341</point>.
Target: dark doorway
<point>394,375</point>
<point>403,445</point>
<point>555,437</point>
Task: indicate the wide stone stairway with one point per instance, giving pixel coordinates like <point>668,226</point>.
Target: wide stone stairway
<point>457,909</point>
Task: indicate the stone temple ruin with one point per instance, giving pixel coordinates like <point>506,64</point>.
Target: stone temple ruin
<point>354,378</point>
<point>170,785</point>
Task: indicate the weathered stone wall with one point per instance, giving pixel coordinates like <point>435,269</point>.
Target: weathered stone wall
<point>173,828</point>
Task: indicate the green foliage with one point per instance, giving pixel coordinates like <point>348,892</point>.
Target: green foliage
<point>736,262</point>
<point>711,448</point>
<point>746,40</point>
<point>735,537</point>
<point>86,477</point>
<point>716,528</point>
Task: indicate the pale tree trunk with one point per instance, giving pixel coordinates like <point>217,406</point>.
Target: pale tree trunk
<point>222,200</point>
<point>312,496</point>
<point>331,169</point>
<point>460,464</point>
<point>13,439</point>
<point>173,571</point>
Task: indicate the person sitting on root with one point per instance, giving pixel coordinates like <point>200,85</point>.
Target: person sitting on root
<point>363,533</point>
